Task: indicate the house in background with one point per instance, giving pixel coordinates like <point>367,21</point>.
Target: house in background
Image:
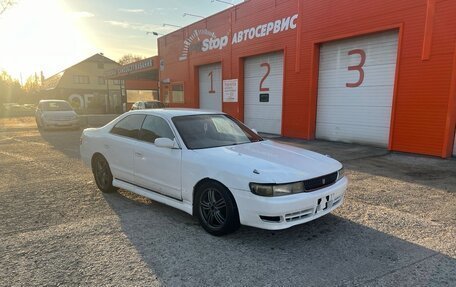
<point>84,85</point>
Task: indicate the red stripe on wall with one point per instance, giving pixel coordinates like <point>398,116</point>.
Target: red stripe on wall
<point>428,29</point>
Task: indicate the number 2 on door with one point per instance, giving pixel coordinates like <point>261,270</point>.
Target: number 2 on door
<point>358,68</point>
<point>210,75</point>
<point>268,70</point>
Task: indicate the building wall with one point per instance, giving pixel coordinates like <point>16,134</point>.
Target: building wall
<point>91,70</point>
<point>423,115</point>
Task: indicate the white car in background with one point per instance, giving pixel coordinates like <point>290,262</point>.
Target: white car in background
<point>56,114</point>
<point>212,166</point>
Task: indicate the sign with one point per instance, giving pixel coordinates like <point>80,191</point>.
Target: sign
<point>203,40</point>
<point>264,98</point>
<point>230,91</point>
<point>130,68</point>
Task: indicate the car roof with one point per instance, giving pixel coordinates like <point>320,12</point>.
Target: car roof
<point>174,112</point>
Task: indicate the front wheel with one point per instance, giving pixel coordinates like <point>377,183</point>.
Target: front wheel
<point>216,209</point>
<point>102,174</point>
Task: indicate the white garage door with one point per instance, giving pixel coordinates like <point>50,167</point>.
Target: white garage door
<point>355,89</point>
<point>210,87</point>
<point>263,92</point>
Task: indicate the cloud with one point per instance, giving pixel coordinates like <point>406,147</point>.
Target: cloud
<point>82,14</point>
<point>119,24</point>
<point>131,10</point>
<point>141,27</point>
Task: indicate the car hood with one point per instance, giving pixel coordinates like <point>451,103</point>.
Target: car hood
<point>273,162</point>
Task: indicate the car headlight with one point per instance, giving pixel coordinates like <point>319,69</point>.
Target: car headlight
<point>340,173</point>
<point>276,189</point>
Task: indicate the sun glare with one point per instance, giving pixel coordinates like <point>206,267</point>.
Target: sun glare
<point>42,35</point>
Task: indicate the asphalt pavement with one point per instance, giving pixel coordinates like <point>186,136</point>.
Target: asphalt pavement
<point>397,226</point>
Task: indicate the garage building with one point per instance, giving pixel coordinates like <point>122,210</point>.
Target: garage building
<point>381,73</point>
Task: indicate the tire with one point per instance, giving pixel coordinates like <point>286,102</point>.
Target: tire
<point>102,174</point>
<point>216,209</point>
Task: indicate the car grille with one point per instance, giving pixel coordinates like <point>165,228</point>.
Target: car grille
<point>320,182</point>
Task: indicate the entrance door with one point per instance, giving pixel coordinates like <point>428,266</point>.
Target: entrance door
<point>210,87</point>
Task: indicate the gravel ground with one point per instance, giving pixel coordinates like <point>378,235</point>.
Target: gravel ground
<point>396,227</point>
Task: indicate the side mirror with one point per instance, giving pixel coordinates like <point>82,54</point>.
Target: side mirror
<point>165,143</point>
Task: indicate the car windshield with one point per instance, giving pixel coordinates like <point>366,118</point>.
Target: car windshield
<point>56,106</point>
<point>208,131</point>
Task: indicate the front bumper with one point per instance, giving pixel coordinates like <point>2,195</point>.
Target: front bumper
<point>61,124</point>
<point>274,213</point>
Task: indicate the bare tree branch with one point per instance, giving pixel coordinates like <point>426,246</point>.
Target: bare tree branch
<point>5,4</point>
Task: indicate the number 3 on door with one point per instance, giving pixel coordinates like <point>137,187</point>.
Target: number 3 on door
<point>358,68</point>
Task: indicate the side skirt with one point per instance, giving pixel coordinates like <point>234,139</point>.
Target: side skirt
<point>181,205</point>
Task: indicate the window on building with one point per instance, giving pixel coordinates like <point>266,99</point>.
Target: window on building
<point>116,82</point>
<point>80,79</point>
<point>166,92</point>
<point>100,65</point>
<point>177,91</point>
<point>141,96</point>
<point>101,81</point>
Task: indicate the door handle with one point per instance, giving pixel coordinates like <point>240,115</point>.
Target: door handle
<point>138,154</point>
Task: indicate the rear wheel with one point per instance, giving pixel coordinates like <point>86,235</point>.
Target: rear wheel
<point>216,209</point>
<point>102,174</point>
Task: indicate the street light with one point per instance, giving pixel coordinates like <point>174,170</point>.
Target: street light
<point>193,15</point>
<point>221,1</point>
<point>171,25</point>
<point>154,33</point>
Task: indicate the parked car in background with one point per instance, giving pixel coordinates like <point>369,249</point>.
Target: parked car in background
<point>141,105</point>
<point>56,114</point>
<point>214,167</point>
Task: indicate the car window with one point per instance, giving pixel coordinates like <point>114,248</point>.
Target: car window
<point>155,127</point>
<point>208,131</point>
<point>129,126</point>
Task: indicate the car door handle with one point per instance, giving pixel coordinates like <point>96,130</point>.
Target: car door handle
<point>138,154</point>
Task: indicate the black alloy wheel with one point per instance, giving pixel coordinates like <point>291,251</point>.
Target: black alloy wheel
<point>102,174</point>
<point>216,209</point>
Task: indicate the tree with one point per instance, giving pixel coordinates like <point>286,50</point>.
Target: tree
<point>10,89</point>
<point>32,85</point>
<point>5,4</point>
<point>129,58</point>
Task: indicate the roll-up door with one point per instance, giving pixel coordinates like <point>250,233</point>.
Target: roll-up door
<point>355,89</point>
<point>263,89</point>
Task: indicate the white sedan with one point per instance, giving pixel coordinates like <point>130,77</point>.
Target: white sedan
<point>212,166</point>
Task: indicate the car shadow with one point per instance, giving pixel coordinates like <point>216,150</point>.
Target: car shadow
<point>65,141</point>
<point>330,251</point>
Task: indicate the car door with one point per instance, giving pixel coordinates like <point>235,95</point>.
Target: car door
<point>157,168</point>
<point>119,146</point>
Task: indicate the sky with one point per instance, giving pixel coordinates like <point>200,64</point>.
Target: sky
<point>51,35</point>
